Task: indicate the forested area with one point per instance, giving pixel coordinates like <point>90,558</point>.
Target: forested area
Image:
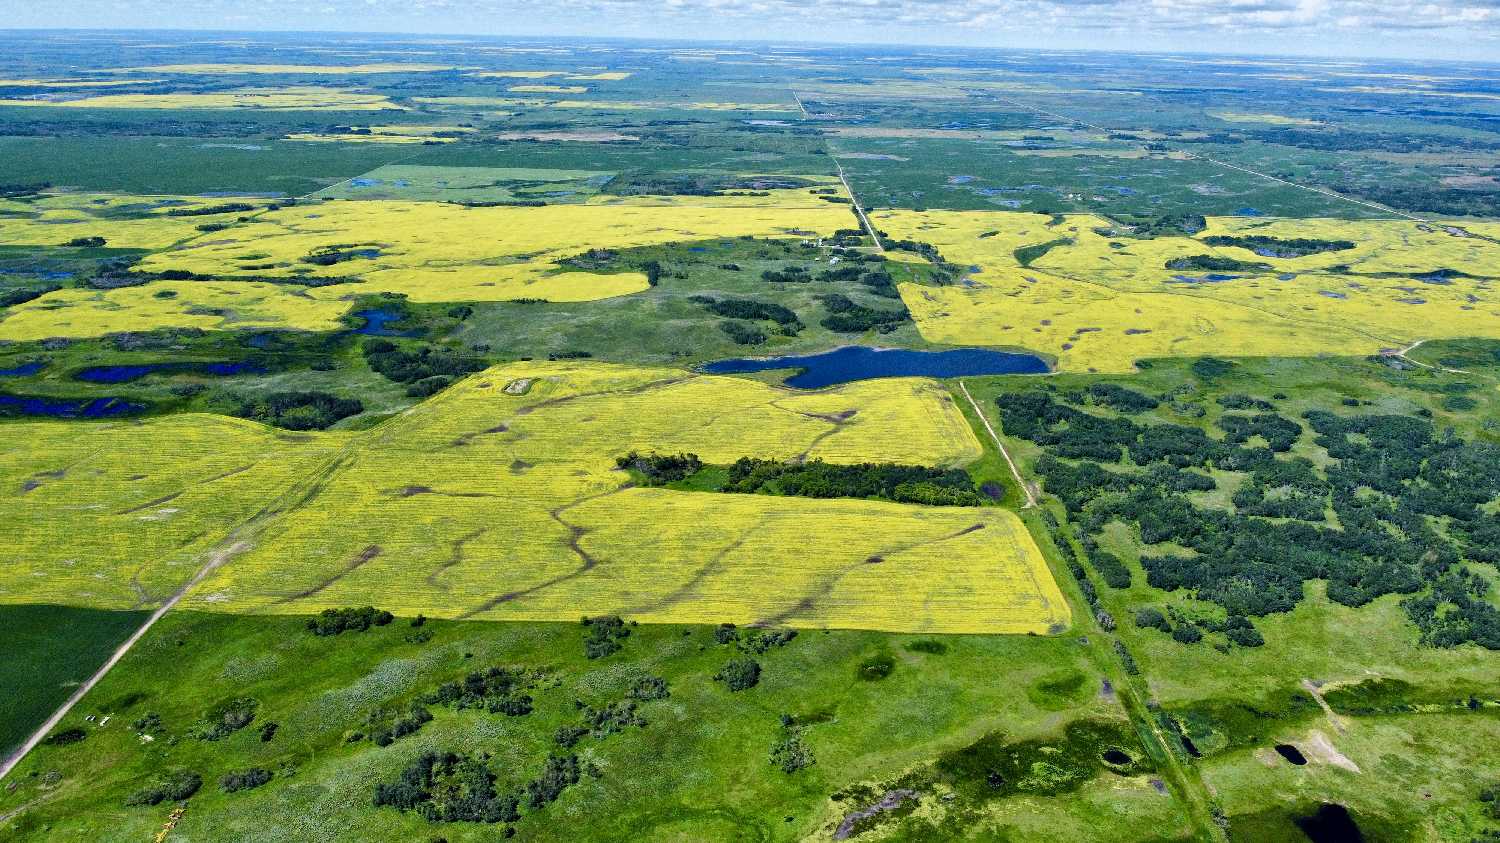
<point>1399,509</point>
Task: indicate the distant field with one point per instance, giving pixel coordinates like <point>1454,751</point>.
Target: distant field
<point>1098,300</point>
<point>210,305</point>
<point>279,99</point>
<point>123,221</point>
<point>440,252</point>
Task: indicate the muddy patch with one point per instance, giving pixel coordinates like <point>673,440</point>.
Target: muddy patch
<point>852,823</point>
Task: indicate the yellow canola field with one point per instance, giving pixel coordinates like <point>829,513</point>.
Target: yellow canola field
<point>441,252</point>
<point>125,222</point>
<point>293,98</point>
<point>482,503</point>
<point>1099,303</point>
<point>80,312</point>
<point>121,514</point>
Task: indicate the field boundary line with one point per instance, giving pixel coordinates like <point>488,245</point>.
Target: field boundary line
<point>1014,471</point>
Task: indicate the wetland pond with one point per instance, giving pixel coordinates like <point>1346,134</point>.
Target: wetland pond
<point>857,362</point>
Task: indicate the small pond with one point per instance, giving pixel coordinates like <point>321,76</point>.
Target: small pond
<point>67,408</point>
<point>377,320</point>
<point>855,363</point>
<point>128,373</point>
<point>24,370</point>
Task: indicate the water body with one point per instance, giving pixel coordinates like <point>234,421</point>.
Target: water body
<point>128,373</point>
<point>377,320</point>
<point>856,363</point>
<point>24,370</point>
<point>67,408</point>
<point>1210,278</point>
<point>1330,823</point>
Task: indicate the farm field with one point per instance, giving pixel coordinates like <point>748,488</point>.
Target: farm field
<point>1099,300</point>
<point>591,439</point>
<point>440,252</point>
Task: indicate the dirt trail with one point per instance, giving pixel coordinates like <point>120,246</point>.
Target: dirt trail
<point>1015,472</point>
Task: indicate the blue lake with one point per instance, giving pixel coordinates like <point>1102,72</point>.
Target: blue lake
<point>376,322</point>
<point>23,370</point>
<point>856,363</point>
<point>68,408</point>
<point>125,374</point>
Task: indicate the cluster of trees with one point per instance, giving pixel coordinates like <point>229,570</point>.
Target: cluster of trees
<point>385,726</point>
<point>846,317</point>
<point>1214,263</point>
<point>818,479</point>
<point>21,295</point>
<point>791,275</point>
<point>660,469</point>
<point>171,786</point>
<point>1148,228</point>
<point>1429,198</point>
<point>409,367</point>
<point>211,210</point>
<point>449,787</point>
<point>1393,482</point>
<point>498,690</point>
<point>748,309</point>
<point>331,255</point>
<point>298,410</point>
<point>755,641</point>
<point>339,621</point>
<point>1027,254</point>
<point>604,635</point>
<point>743,333</point>
<point>739,674</point>
<point>226,718</point>
<point>245,779</point>
<point>1277,247</point>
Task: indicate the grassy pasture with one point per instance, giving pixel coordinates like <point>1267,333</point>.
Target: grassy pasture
<point>1099,303</point>
<point>177,166</point>
<point>665,780</point>
<point>413,182</point>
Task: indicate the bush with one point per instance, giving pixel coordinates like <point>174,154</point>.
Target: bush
<point>172,786</point>
<point>244,780</point>
<point>791,755</point>
<point>299,410</point>
<point>660,469</point>
<point>605,633</point>
<point>1187,633</point>
<point>739,674</point>
<point>1152,618</point>
<point>226,718</point>
<point>66,736</point>
<point>338,621</point>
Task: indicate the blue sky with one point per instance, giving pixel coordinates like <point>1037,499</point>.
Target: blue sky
<point>1460,29</point>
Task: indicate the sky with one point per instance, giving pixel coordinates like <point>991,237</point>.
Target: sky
<point>1457,29</point>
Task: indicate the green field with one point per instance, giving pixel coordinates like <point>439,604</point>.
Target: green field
<point>382,358</point>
